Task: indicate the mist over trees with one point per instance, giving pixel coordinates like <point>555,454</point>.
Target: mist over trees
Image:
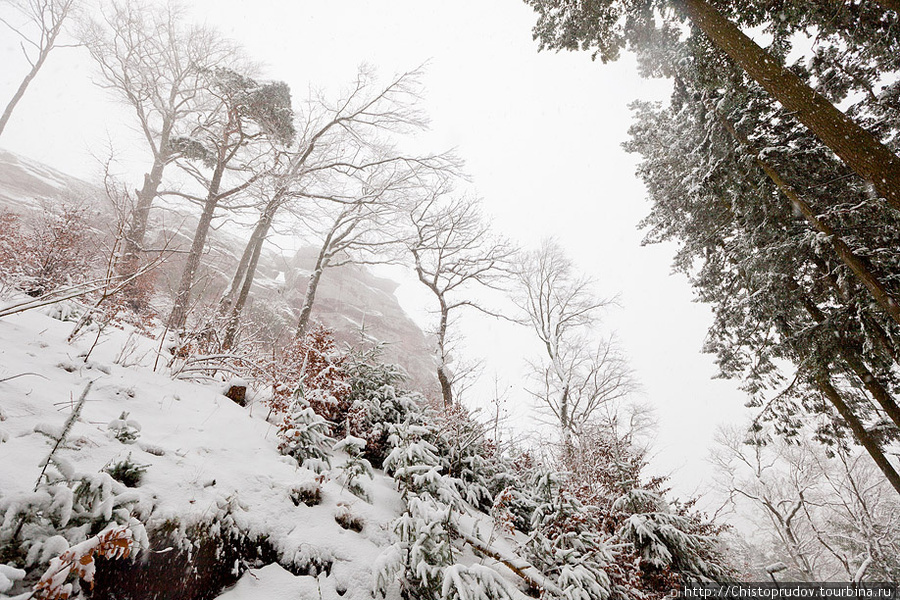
<point>773,167</point>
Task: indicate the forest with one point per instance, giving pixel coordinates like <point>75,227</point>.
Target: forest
<point>211,385</point>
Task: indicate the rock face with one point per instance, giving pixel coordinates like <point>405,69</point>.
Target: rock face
<point>358,305</point>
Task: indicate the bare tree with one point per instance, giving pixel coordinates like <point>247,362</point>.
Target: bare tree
<point>41,24</point>
<point>235,142</point>
<point>827,510</point>
<point>860,516</point>
<point>341,180</point>
<point>353,231</point>
<point>579,373</point>
<point>454,252</point>
<point>750,467</point>
<point>151,60</point>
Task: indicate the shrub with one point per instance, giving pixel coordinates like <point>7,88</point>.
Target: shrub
<point>348,520</point>
<point>308,493</point>
<point>127,472</point>
<point>303,436</point>
<point>124,429</point>
<point>313,364</point>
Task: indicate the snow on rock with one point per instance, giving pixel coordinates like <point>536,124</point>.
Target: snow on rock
<point>273,582</point>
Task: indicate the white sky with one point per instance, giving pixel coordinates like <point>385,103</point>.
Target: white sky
<point>540,134</point>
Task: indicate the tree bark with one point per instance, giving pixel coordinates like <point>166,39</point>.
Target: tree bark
<point>140,215</point>
<point>178,316</point>
<point>443,377</point>
<point>856,264</point>
<point>859,430</point>
<point>310,298</point>
<point>877,390</point>
<point>858,148</point>
<point>258,240</point>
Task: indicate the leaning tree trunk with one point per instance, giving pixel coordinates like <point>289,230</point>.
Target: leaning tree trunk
<point>875,388</point>
<point>140,214</point>
<point>257,241</point>
<point>309,299</point>
<point>859,431</point>
<point>257,238</point>
<point>178,316</point>
<point>858,148</point>
<point>42,56</point>
<point>856,264</point>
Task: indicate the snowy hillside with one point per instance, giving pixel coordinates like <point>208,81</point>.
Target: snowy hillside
<point>208,462</point>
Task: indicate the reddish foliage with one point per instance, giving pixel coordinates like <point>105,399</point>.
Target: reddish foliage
<point>57,248</point>
<point>501,511</point>
<point>314,363</point>
<point>136,295</point>
<point>79,561</point>
<point>10,247</point>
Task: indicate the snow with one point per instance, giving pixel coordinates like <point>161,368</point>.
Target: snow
<point>205,453</point>
<point>209,461</point>
<point>273,582</point>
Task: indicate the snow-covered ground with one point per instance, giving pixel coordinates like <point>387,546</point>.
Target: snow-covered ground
<point>205,456</point>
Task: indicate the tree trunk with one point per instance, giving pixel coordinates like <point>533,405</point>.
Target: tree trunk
<point>857,265</point>
<point>258,240</point>
<point>786,532</point>
<point>859,430</point>
<point>42,56</point>
<point>443,377</point>
<point>858,148</point>
<point>854,361</point>
<point>140,216</point>
<point>178,316</point>
<point>310,298</point>
<point>565,422</point>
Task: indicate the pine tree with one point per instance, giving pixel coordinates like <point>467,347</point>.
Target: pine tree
<point>303,435</point>
<point>608,26</point>
<point>355,466</point>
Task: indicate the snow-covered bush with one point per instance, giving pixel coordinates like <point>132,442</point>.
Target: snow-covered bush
<point>468,459</point>
<point>425,530</point>
<point>670,539</point>
<point>355,467</point>
<point>127,472</point>
<point>65,509</point>
<point>416,562</point>
<point>474,582</point>
<point>566,540</point>
<point>377,401</point>
<point>54,248</point>
<point>313,364</point>
<point>415,465</point>
<point>124,429</point>
<point>308,492</point>
<point>303,435</point>
<point>344,517</point>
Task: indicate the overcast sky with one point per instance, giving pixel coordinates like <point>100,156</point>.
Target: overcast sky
<point>540,134</point>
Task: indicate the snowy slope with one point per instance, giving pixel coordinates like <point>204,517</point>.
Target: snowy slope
<point>208,460</point>
<point>213,451</point>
